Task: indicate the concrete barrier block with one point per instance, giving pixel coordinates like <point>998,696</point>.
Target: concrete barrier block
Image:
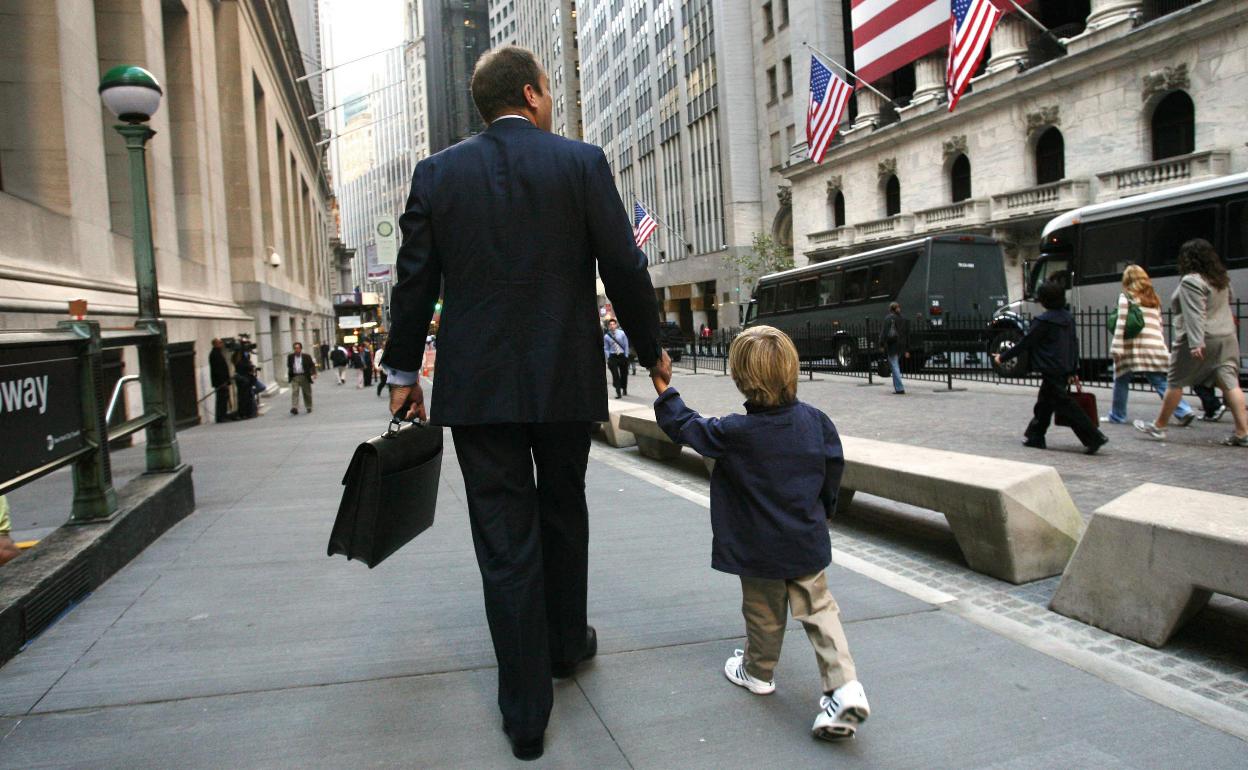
<point>652,442</point>
<point>1151,559</point>
<point>617,436</point>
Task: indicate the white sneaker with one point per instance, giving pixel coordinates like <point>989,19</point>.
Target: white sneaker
<point>841,713</point>
<point>1150,429</point>
<point>734,669</point>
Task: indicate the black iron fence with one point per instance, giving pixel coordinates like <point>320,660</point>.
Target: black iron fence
<point>940,349</point>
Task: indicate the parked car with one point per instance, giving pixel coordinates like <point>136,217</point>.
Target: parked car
<point>673,339</point>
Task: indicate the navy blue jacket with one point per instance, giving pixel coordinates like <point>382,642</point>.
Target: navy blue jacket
<point>777,473</point>
<point>1052,343</point>
<point>508,226</point>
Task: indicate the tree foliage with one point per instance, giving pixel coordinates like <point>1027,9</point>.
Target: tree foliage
<point>765,256</point>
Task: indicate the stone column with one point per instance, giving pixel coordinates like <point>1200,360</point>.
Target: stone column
<point>1009,42</point>
<point>869,104</point>
<point>1106,13</point>
<point>929,77</point>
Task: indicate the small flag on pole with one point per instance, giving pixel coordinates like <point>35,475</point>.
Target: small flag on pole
<point>828,97</point>
<point>643,224</point>
<point>973,22</point>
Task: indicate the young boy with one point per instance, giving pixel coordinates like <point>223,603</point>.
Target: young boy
<point>776,478</point>
<point>1054,350</point>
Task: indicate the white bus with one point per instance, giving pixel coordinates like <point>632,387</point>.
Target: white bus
<point>1088,248</point>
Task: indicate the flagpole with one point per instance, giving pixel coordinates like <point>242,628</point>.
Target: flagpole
<point>847,71</point>
<point>650,211</point>
<point>1031,18</point>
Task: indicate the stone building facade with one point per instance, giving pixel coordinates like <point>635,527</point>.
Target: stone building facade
<point>233,172</point>
<point>1139,96</point>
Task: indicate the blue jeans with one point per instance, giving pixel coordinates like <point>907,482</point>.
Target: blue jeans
<point>896,367</point>
<point>1118,412</point>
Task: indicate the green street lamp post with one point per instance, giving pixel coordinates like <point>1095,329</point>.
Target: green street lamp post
<point>133,95</point>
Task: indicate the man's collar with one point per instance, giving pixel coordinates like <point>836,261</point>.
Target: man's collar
<point>508,115</point>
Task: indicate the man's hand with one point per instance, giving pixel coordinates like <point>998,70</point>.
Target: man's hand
<point>661,373</point>
<point>409,399</point>
<point>1199,353</point>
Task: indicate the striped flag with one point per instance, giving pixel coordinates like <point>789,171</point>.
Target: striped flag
<point>828,97</point>
<point>889,34</point>
<point>643,224</point>
<point>973,22</point>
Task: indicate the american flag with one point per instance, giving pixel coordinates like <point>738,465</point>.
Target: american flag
<point>889,34</point>
<point>973,22</point>
<point>828,97</point>
<point>643,224</point>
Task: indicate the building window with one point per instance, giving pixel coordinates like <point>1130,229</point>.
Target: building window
<point>788,76</point>
<point>772,92</point>
<point>960,178</point>
<point>1050,157</point>
<point>1174,126</point>
<point>784,13</point>
<point>892,196</point>
<point>836,209</point>
<point>769,27</point>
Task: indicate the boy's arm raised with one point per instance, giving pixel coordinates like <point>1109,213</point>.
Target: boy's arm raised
<point>685,426</point>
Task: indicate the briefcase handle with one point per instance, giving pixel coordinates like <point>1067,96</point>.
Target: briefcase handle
<point>396,422</point>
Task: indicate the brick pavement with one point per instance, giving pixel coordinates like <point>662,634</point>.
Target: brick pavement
<point>1208,658</point>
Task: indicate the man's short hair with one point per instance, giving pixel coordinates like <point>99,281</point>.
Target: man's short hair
<point>299,345</point>
<point>499,79</point>
<point>764,365</point>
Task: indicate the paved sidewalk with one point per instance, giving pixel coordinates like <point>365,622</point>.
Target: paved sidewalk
<point>234,642</point>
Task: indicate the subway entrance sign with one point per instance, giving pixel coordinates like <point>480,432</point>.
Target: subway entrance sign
<point>40,406</point>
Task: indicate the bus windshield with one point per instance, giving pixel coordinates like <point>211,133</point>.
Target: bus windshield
<point>1053,268</point>
<point>751,311</point>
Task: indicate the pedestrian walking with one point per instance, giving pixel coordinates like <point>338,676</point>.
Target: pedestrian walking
<point>357,363</point>
<point>777,475</point>
<point>895,343</point>
<point>704,339</point>
<point>615,347</point>
<point>1206,345</point>
<point>301,373</point>
<point>380,372</point>
<point>1140,348</point>
<point>340,358</point>
<point>366,364</point>
<point>1210,404</point>
<point>1053,348</point>
<point>520,385</point>
<point>219,378</point>
<point>8,549</point>
<point>324,362</point>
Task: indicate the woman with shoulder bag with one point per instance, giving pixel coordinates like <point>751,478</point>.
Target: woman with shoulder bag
<point>893,344</point>
<point>1139,345</point>
<point>1206,345</point>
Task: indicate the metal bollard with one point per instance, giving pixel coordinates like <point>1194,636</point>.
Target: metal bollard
<point>94,496</point>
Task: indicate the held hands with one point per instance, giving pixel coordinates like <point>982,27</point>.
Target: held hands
<point>409,399</point>
<point>661,373</point>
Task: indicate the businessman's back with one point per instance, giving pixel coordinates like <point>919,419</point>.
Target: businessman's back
<point>507,227</point>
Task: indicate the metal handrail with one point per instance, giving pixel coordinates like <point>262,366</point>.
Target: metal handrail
<point>112,402</point>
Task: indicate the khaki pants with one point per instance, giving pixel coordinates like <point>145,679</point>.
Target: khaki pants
<point>301,383</point>
<point>766,605</point>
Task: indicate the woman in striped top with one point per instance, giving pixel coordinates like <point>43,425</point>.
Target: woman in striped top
<point>1145,353</point>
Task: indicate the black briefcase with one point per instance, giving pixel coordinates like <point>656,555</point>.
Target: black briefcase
<point>391,490</point>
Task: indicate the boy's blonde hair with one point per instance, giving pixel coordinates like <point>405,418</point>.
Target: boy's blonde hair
<point>764,366</point>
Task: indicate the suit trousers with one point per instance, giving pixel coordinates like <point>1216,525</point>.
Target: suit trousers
<point>766,605</point>
<point>618,364</point>
<point>301,383</point>
<point>223,401</point>
<point>530,527</point>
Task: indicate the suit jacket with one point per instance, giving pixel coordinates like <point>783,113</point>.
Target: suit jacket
<point>507,227</point>
<point>309,367</point>
<point>218,369</point>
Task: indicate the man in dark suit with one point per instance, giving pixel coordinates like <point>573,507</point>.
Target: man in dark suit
<point>506,227</point>
<point>301,372</point>
<point>219,376</point>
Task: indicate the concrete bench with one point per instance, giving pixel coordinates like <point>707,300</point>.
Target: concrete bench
<point>611,430</point>
<point>1151,558</point>
<point>1012,520</point>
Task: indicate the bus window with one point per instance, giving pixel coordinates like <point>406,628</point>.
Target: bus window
<point>856,285</point>
<point>1236,234</point>
<point>1106,249</point>
<point>784,299</point>
<point>830,288</point>
<point>806,293</point>
<point>751,312</point>
<point>1170,230</point>
<point>878,284</point>
<point>767,300</point>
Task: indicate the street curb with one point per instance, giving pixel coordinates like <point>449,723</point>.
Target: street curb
<point>36,587</point>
